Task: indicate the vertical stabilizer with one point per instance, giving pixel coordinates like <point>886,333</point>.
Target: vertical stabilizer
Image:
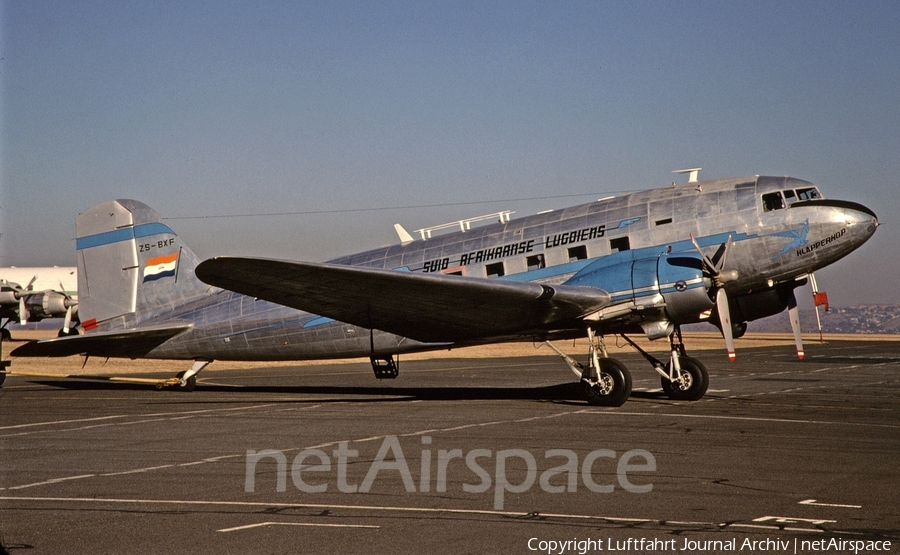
<point>131,266</point>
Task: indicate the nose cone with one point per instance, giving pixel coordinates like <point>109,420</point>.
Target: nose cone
<point>861,221</point>
<point>844,227</point>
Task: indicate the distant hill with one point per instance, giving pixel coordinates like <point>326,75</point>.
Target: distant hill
<point>867,318</point>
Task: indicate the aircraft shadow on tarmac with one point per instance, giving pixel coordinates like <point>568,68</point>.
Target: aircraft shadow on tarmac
<point>568,392</point>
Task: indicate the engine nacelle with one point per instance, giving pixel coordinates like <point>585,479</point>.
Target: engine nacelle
<point>685,289</point>
<point>651,290</point>
<point>762,304</point>
<point>47,304</point>
<point>8,295</point>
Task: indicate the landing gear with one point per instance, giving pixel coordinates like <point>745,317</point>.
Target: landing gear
<point>187,381</point>
<point>683,378</point>
<point>187,384</point>
<point>4,364</point>
<point>612,388</point>
<point>606,382</point>
<point>689,384</point>
<point>63,333</point>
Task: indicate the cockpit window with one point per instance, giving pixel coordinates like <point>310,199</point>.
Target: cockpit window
<point>780,199</point>
<point>808,194</point>
<point>772,201</point>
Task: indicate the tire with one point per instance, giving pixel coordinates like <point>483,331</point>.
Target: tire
<point>695,382</point>
<point>189,386</point>
<point>614,387</point>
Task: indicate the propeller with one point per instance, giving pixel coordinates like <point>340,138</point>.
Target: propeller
<point>794,314</point>
<point>720,277</point>
<point>71,309</point>
<point>819,299</point>
<point>21,293</point>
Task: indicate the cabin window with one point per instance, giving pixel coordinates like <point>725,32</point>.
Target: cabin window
<point>772,201</point>
<point>664,222</point>
<point>790,197</point>
<point>495,270</point>
<point>535,262</point>
<point>620,244</point>
<point>577,253</point>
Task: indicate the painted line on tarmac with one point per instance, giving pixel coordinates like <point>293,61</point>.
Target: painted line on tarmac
<point>312,524</point>
<point>137,470</point>
<point>524,517</point>
<point>608,412</point>
<point>52,481</point>
<point>154,417</point>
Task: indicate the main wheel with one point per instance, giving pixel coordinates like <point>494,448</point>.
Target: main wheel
<point>693,382</point>
<point>614,386</point>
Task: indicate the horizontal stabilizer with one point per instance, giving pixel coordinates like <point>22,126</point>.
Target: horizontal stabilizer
<point>421,306</point>
<point>133,343</point>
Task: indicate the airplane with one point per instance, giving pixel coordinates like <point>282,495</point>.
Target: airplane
<point>50,292</point>
<point>641,263</point>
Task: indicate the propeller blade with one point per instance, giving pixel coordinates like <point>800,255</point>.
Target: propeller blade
<point>709,263</point>
<point>67,323</point>
<point>728,245</point>
<point>717,270</point>
<point>794,313</point>
<point>725,321</point>
<point>23,312</point>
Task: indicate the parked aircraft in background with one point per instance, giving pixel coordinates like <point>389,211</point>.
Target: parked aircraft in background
<point>646,262</point>
<point>33,294</point>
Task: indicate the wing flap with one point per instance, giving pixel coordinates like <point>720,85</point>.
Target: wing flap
<point>424,307</point>
<point>130,343</point>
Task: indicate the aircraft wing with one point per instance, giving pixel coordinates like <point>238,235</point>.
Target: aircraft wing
<point>130,343</point>
<point>424,307</point>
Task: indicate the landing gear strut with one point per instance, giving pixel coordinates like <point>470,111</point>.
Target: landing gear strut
<point>187,381</point>
<point>605,381</point>
<point>683,378</point>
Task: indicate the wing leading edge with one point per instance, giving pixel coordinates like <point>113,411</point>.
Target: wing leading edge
<point>424,307</point>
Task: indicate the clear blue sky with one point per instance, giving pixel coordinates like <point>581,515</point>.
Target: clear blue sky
<point>214,108</point>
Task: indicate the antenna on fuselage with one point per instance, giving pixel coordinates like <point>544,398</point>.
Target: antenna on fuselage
<point>692,173</point>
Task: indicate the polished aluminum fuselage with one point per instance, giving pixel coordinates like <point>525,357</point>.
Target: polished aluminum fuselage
<point>771,246</point>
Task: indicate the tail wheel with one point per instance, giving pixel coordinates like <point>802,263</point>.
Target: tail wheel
<point>613,388</point>
<point>188,385</point>
<point>692,384</point>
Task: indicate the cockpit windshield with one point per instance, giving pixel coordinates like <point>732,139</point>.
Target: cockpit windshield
<point>784,199</point>
<point>810,193</point>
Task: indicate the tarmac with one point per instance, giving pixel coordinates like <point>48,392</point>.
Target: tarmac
<point>467,453</point>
